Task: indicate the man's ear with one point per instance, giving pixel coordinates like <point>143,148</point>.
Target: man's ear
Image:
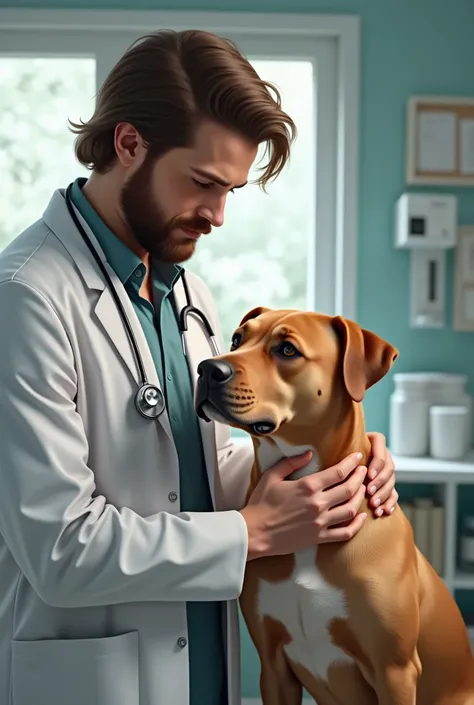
<point>253,314</point>
<point>366,357</point>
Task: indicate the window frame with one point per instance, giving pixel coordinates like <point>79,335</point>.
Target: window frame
<point>104,34</point>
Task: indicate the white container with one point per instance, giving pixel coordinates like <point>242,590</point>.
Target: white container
<point>448,432</point>
<point>409,421</point>
<point>450,390</point>
<point>414,394</point>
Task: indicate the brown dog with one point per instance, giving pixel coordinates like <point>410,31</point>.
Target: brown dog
<point>362,622</point>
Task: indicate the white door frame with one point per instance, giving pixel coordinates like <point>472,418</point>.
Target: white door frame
<point>335,286</point>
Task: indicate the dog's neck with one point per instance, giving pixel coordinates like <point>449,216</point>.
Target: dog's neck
<point>329,443</point>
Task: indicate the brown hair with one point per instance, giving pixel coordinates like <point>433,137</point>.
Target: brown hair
<point>166,82</point>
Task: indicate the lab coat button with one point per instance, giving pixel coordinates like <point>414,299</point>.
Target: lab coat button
<point>172,496</point>
<point>182,642</point>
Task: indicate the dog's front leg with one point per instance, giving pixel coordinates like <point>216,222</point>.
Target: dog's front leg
<point>397,684</point>
<point>278,683</point>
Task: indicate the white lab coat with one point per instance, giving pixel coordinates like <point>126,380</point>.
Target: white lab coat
<point>96,560</point>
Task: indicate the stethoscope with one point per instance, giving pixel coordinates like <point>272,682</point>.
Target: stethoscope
<point>149,399</point>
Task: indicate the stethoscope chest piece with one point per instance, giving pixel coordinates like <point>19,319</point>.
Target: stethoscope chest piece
<point>150,401</point>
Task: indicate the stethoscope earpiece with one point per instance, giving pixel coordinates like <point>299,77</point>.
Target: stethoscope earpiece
<point>149,399</point>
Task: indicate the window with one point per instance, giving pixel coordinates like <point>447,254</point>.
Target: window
<point>260,255</point>
<point>39,94</point>
<point>294,246</point>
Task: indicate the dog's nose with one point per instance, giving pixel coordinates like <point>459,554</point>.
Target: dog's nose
<point>215,372</point>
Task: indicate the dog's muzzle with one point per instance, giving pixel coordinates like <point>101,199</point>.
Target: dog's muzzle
<point>213,375</point>
<point>211,398</point>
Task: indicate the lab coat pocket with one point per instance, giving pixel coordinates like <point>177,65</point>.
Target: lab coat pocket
<point>76,671</point>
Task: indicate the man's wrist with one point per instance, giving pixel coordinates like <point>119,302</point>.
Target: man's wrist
<point>256,545</point>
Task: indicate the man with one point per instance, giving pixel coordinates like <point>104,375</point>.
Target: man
<point>124,541</point>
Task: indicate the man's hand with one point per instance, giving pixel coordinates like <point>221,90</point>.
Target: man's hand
<point>286,516</point>
<point>382,492</point>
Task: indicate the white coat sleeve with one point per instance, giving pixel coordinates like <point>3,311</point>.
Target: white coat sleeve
<point>235,463</point>
<point>74,547</point>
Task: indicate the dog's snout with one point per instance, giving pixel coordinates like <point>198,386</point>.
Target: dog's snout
<point>215,372</point>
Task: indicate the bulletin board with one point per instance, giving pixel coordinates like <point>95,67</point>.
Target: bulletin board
<point>440,141</point>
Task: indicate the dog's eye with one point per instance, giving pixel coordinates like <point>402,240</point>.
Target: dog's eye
<point>236,338</point>
<point>287,349</point>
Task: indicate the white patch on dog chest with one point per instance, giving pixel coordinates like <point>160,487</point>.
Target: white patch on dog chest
<point>305,603</point>
<point>271,450</point>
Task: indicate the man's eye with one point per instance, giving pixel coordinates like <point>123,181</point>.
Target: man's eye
<point>203,184</point>
<point>207,185</point>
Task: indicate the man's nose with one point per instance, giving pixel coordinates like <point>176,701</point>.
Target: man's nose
<point>214,212</point>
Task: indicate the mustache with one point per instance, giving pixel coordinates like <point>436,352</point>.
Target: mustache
<point>199,225</point>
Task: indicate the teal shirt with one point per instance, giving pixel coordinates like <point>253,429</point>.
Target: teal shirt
<point>205,625</point>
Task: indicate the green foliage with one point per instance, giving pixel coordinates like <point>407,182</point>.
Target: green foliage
<point>36,156</point>
<point>260,255</point>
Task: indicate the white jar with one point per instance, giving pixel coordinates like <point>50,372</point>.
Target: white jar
<point>448,432</point>
<point>450,390</point>
<point>409,419</point>
<point>415,393</point>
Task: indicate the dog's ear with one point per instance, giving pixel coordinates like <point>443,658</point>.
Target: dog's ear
<point>366,357</point>
<point>253,314</point>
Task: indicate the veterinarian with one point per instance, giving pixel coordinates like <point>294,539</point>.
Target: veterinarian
<point>123,532</point>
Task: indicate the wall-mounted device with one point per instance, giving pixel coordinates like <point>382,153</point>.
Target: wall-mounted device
<point>426,223</point>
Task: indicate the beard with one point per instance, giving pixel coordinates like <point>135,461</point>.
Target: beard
<point>148,224</point>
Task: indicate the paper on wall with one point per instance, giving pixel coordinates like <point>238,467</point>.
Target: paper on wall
<point>436,141</point>
<point>467,147</point>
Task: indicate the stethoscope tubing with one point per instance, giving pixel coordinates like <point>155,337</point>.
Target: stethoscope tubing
<point>149,399</point>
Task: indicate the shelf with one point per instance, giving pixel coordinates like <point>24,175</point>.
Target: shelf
<point>422,469</point>
<point>427,469</point>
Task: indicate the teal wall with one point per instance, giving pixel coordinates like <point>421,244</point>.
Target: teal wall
<point>408,47</point>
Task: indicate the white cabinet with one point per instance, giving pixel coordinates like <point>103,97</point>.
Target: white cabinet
<point>450,478</point>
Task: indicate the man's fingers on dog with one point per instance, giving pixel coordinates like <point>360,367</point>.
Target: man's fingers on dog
<point>378,452</point>
<point>345,512</point>
<point>286,466</point>
<point>389,506</point>
<point>381,496</point>
<point>346,491</point>
<point>342,533</point>
<point>338,473</point>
